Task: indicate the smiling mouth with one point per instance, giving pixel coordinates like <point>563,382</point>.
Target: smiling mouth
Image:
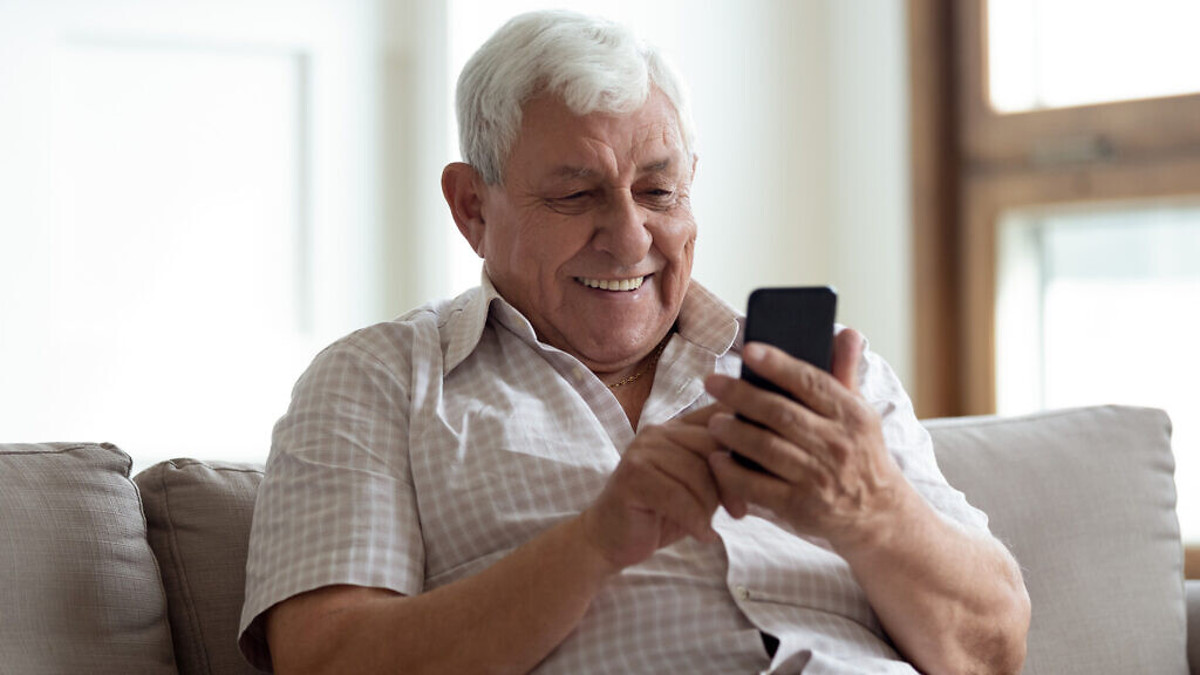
<point>631,284</point>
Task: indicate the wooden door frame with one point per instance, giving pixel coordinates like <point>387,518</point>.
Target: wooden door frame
<point>934,165</point>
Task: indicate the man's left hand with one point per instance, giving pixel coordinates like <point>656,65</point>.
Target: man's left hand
<point>831,473</point>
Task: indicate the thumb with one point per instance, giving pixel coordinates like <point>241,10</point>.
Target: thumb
<point>847,352</point>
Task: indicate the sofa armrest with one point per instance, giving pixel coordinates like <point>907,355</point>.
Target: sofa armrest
<point>1193,619</point>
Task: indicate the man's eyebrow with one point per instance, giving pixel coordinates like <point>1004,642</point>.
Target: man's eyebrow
<point>657,166</point>
<point>571,172</point>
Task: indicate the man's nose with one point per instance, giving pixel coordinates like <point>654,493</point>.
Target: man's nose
<point>623,231</point>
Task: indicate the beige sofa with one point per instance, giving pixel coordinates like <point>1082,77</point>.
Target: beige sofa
<point>103,574</point>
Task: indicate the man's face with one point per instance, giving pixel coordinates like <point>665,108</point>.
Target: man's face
<point>591,236</point>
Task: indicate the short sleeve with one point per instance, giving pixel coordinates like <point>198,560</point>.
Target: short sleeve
<point>337,504</point>
<point>910,443</point>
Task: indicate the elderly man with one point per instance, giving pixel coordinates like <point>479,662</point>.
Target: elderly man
<point>536,475</point>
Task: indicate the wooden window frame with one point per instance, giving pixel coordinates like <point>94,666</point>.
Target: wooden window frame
<point>971,164</point>
<point>1123,131</point>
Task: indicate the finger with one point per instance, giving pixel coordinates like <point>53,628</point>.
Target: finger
<point>787,461</point>
<point>847,353</point>
<point>700,416</point>
<point>695,438</point>
<point>733,502</point>
<point>673,501</point>
<point>778,413</point>
<point>690,471</point>
<point>808,384</point>
<point>750,486</point>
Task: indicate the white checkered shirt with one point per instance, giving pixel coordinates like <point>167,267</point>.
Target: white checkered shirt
<point>420,451</point>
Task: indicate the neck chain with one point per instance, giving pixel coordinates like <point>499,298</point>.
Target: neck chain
<point>644,369</point>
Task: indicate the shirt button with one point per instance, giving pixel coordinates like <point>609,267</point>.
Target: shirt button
<point>742,593</point>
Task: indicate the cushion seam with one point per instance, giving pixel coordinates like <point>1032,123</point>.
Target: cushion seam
<point>188,462</point>
<point>141,503</point>
<point>184,587</point>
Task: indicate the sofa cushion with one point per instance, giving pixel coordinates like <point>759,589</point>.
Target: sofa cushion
<point>79,588</point>
<point>1085,499</point>
<point>199,515</point>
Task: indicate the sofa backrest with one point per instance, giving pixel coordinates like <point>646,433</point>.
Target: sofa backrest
<point>79,587</point>
<point>198,520</point>
<point>1085,499</point>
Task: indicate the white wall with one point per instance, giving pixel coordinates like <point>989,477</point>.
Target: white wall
<point>762,184</point>
<point>187,214</point>
<point>802,180</point>
<point>870,200</point>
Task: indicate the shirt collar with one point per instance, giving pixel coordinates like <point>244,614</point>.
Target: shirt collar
<point>704,320</point>
<point>461,327</point>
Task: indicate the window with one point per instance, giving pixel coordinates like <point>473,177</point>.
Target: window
<point>1058,53</point>
<point>1057,206</point>
<point>180,190</point>
<point>1100,305</point>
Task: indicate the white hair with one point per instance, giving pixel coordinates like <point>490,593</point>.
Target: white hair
<point>592,64</point>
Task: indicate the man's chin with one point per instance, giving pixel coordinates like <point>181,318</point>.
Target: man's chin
<point>612,351</point>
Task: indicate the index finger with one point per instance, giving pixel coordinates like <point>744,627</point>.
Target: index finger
<point>808,384</point>
<point>700,416</point>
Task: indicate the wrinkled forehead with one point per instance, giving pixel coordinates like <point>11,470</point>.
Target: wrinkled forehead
<point>553,138</point>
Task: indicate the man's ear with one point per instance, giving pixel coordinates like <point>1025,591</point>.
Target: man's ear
<point>462,187</point>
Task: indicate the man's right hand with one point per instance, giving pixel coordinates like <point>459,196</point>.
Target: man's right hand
<point>519,609</point>
<point>661,491</point>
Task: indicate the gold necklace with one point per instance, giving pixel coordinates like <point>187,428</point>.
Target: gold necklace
<point>646,368</point>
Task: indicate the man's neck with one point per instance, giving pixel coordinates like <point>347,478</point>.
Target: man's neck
<point>633,396</point>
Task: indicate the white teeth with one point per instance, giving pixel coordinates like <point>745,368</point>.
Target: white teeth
<point>613,285</point>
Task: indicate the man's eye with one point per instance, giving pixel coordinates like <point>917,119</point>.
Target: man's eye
<point>571,197</point>
<point>658,197</point>
<point>572,202</point>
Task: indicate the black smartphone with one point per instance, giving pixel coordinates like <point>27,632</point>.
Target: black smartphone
<point>797,320</point>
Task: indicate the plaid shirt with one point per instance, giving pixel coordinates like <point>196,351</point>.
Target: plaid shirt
<point>418,452</point>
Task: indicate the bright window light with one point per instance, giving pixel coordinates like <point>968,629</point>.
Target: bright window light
<point>1058,53</point>
<point>176,311</point>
